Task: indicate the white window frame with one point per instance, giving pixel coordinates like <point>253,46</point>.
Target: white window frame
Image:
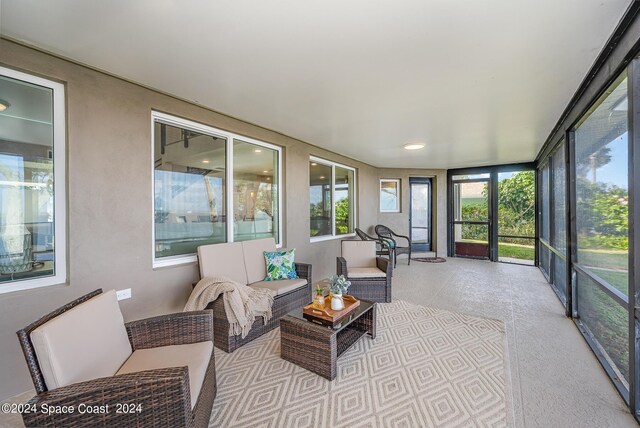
<point>179,122</point>
<point>59,187</point>
<point>398,200</point>
<point>333,166</point>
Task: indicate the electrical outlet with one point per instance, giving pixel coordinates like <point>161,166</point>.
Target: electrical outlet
<point>124,294</point>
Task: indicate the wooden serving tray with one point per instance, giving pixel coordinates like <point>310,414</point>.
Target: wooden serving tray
<point>327,315</point>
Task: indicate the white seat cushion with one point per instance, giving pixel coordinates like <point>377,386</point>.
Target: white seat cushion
<point>84,343</point>
<point>195,356</point>
<point>365,273</point>
<point>254,261</point>
<point>281,286</point>
<point>359,254</point>
<point>222,260</point>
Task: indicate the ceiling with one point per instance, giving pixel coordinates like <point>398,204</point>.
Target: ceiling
<point>478,82</point>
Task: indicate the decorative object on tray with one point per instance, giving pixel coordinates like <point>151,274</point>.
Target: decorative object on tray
<point>318,298</point>
<point>329,316</point>
<point>339,286</point>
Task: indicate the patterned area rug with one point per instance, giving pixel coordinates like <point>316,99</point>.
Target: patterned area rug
<point>426,368</point>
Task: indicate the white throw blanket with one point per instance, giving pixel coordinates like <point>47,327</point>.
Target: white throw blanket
<point>241,303</point>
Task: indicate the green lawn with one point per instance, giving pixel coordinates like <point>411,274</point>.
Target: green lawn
<point>610,265</point>
<point>516,251</point>
<point>611,259</point>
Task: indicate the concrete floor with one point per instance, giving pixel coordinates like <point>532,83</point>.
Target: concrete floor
<point>555,380</point>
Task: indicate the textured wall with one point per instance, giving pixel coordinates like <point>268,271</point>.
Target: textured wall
<point>109,201</point>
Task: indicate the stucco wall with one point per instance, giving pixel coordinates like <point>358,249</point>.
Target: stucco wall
<point>109,201</point>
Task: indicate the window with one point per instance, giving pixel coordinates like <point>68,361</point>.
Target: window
<point>32,182</point>
<point>390,195</point>
<point>255,191</point>
<point>202,178</point>
<point>331,199</point>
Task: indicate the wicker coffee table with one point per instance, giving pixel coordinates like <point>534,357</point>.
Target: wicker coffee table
<point>317,347</point>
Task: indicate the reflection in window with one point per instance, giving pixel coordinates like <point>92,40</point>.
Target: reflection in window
<point>331,199</point>
<point>189,195</point>
<point>255,191</point>
<point>482,176</point>
<point>471,201</point>
<point>320,199</point>
<point>28,191</point>
<point>344,200</point>
<point>602,214</point>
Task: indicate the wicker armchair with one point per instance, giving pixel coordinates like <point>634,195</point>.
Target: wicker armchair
<point>158,396</point>
<point>389,235</point>
<point>382,247</point>
<point>370,276</point>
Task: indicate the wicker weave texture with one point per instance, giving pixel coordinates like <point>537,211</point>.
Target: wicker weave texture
<point>317,348</point>
<point>173,329</point>
<point>282,305</point>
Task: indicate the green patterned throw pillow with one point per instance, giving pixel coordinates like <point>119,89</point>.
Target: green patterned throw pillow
<point>280,265</point>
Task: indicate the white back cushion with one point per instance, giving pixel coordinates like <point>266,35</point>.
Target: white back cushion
<point>254,258</point>
<point>84,343</point>
<point>222,260</point>
<point>359,254</point>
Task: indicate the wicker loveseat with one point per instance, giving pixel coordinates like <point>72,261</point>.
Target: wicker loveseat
<point>244,262</point>
<point>153,372</point>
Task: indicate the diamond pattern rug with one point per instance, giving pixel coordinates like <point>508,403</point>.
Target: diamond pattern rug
<point>426,368</point>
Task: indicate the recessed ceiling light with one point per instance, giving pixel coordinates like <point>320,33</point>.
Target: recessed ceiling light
<point>265,171</point>
<point>4,105</point>
<point>322,177</point>
<point>258,151</point>
<point>413,146</point>
<point>205,161</point>
<point>313,164</point>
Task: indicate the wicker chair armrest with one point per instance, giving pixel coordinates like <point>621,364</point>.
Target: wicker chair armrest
<point>384,265</point>
<point>341,266</point>
<point>303,270</point>
<point>145,398</point>
<point>404,237</point>
<point>172,329</point>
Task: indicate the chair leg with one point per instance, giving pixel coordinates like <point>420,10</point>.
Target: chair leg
<point>409,262</point>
